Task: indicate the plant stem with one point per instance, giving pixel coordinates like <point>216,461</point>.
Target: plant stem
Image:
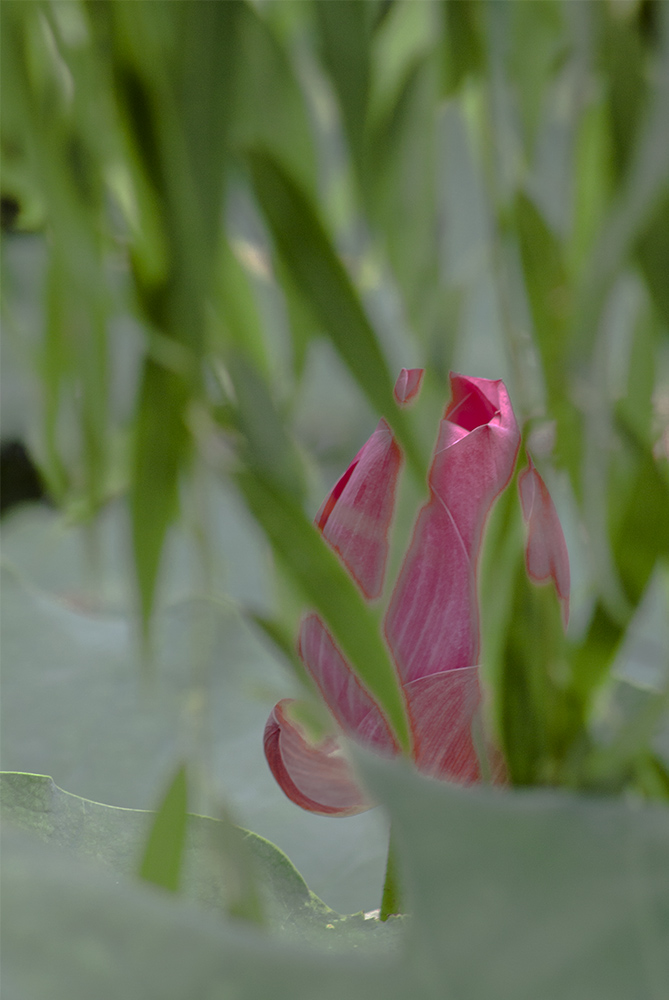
<point>391,901</point>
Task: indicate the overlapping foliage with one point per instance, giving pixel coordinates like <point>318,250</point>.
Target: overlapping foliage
<point>248,217</point>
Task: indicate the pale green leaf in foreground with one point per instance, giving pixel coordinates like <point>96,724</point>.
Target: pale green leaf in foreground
<point>73,932</point>
<point>518,895</point>
<point>114,840</point>
<point>565,896</point>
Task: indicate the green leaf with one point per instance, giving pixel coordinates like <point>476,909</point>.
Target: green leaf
<point>345,30</point>
<point>235,320</point>
<point>269,448</point>
<point>463,45</point>
<point>319,273</point>
<point>592,658</point>
<point>533,893</point>
<point>209,48</point>
<point>282,124</point>
<point>653,250</point>
<point>540,718</point>
<point>72,703</point>
<point>329,590</point>
<point>160,449</point>
<point>623,58</point>
<point>628,752</point>
<point>163,854</point>
<point>548,290</point>
<point>640,526</point>
<point>77,932</point>
<point>209,850</point>
<point>642,190</point>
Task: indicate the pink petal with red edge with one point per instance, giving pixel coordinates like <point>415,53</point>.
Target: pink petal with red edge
<point>408,385</point>
<point>355,519</point>
<point>354,709</point>
<point>546,555</point>
<point>317,778</point>
<point>432,620</point>
<point>443,709</point>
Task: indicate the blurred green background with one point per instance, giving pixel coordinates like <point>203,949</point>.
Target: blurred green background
<point>226,226</point>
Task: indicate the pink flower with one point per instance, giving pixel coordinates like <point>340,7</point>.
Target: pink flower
<point>431,623</point>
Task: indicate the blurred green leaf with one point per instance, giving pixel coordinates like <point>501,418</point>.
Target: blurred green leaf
<point>540,718</point>
<point>642,189</point>
<point>345,31</point>
<point>281,125</point>
<point>548,290</point>
<point>626,756</point>
<point>653,250</point>
<point>269,448</point>
<point>318,272</point>
<point>105,737</point>
<point>622,53</point>
<point>163,854</point>
<point>98,934</point>
<point>161,443</point>
<point>535,69</point>
<point>463,49</point>
<point>235,320</point>
<point>113,839</point>
<point>640,526</point>
<point>402,192</point>
<point>561,894</point>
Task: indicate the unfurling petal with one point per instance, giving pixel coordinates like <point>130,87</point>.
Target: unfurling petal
<point>317,778</point>
<point>432,621</point>
<point>546,554</point>
<point>408,385</point>
<point>353,708</point>
<point>355,519</point>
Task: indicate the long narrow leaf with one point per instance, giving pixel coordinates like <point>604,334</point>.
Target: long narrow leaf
<point>163,855</point>
<point>317,270</point>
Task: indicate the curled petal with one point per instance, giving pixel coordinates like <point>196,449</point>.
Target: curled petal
<point>354,709</point>
<point>546,555</point>
<point>432,620</point>
<point>408,385</point>
<point>355,519</point>
<point>317,778</point>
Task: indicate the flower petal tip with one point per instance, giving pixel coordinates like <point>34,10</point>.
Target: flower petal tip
<point>408,385</point>
<point>546,556</point>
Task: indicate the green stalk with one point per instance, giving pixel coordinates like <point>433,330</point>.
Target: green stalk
<point>391,901</point>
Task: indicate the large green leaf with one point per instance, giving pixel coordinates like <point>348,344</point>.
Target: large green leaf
<point>526,894</point>
<point>513,894</point>
<point>76,932</point>
<point>72,703</point>
<point>114,839</point>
